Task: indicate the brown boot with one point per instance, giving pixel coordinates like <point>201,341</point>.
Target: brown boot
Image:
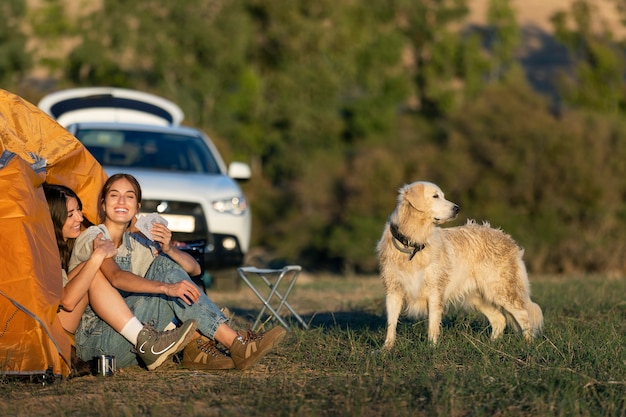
<point>203,354</point>
<point>249,348</point>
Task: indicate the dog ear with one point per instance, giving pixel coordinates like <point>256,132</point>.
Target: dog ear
<point>415,196</point>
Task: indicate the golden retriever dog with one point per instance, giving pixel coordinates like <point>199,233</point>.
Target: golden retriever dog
<point>426,269</point>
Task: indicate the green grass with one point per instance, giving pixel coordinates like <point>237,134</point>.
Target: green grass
<point>578,368</point>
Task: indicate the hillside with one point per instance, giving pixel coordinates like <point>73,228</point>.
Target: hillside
<point>537,13</point>
<point>541,56</point>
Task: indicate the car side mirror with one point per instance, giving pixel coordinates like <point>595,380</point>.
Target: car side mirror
<point>239,171</point>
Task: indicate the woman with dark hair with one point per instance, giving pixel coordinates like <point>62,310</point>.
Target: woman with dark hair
<point>154,266</point>
<point>85,285</point>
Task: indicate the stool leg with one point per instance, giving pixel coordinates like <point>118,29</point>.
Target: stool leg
<point>283,297</point>
<point>266,304</point>
<point>267,301</point>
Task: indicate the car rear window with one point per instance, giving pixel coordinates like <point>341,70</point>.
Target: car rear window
<point>152,150</point>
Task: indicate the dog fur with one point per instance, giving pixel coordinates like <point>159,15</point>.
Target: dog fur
<point>426,269</point>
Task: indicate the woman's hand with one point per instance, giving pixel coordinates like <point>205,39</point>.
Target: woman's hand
<point>104,246</point>
<point>185,290</point>
<point>162,235</point>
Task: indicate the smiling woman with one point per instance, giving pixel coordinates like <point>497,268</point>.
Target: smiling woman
<point>73,226</point>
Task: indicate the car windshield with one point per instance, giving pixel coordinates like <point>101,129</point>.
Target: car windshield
<point>153,150</point>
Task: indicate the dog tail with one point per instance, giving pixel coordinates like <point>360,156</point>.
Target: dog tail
<point>535,318</point>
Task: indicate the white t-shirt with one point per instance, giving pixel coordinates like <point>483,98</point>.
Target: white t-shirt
<point>141,252</point>
<point>65,278</point>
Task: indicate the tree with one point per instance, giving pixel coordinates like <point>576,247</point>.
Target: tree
<point>14,57</point>
<point>337,104</point>
<point>53,29</point>
<point>555,184</point>
<point>504,39</point>
<point>442,59</point>
<point>597,81</point>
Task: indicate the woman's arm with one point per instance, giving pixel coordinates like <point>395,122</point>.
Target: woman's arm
<point>127,281</point>
<point>185,260</point>
<point>80,278</point>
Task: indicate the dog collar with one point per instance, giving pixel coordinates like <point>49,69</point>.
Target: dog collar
<point>399,238</point>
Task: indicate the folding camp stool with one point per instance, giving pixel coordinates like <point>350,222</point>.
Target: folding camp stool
<point>273,279</point>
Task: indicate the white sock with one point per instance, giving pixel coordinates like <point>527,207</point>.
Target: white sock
<point>131,330</point>
<point>170,326</point>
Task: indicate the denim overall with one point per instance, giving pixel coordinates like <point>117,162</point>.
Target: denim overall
<point>95,337</point>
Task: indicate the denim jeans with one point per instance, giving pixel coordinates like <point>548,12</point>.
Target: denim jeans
<point>95,337</point>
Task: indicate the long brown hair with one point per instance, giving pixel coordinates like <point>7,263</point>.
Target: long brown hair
<point>107,187</point>
<point>57,196</point>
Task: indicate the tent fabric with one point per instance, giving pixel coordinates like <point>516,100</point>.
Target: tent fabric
<point>33,149</point>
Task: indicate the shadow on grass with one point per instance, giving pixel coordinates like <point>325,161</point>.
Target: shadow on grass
<point>366,320</point>
<point>352,319</point>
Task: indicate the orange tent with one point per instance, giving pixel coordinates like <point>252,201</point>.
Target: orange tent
<point>33,149</point>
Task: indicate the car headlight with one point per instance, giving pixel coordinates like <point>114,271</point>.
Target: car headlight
<point>235,205</point>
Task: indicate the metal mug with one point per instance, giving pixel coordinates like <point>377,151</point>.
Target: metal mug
<point>105,365</point>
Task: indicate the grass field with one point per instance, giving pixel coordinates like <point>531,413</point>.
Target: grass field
<point>578,367</point>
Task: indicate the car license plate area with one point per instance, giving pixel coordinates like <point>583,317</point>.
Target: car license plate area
<point>180,223</point>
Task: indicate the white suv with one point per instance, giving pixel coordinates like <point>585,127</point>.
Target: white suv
<point>181,173</point>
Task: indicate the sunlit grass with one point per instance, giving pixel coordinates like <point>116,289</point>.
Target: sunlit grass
<point>577,368</point>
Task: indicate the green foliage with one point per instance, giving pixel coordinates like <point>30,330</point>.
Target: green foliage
<point>51,22</point>
<point>437,53</point>
<point>506,38</point>
<point>14,59</point>
<point>337,104</point>
<point>549,183</point>
<point>599,63</point>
